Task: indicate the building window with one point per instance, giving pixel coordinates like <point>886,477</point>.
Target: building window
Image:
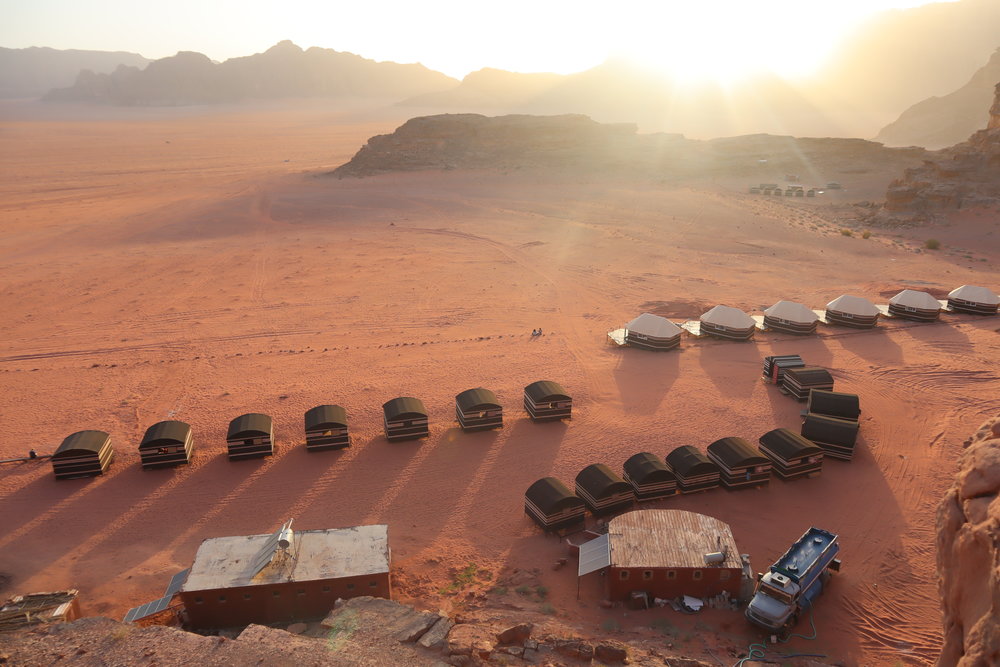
<point>623,575</point>
<point>276,594</point>
<point>246,596</point>
<point>671,574</point>
<point>326,589</point>
<point>724,575</point>
<point>372,584</point>
<point>199,601</point>
<point>301,591</point>
<point>647,575</point>
<point>696,575</point>
<point>350,587</point>
<point>222,598</point>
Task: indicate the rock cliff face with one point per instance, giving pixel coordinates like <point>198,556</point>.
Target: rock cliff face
<point>968,548</point>
<point>967,174</point>
<point>939,122</point>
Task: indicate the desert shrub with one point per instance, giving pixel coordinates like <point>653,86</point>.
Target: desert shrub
<point>610,625</point>
<point>867,234</point>
<point>542,591</point>
<point>500,590</point>
<point>664,627</point>
<point>846,232</point>
<point>523,590</point>
<point>932,244</point>
<point>548,609</point>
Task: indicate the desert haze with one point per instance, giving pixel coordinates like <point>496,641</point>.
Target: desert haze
<point>199,264</point>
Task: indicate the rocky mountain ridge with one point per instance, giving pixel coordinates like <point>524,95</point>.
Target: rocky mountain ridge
<point>34,71</point>
<point>939,122</point>
<point>967,174</point>
<point>284,70</point>
<point>576,143</point>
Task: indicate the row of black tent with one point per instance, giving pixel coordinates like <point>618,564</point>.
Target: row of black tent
<point>831,418</point>
<point>730,462</point>
<point>170,443</point>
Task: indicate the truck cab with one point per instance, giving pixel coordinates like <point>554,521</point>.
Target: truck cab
<point>792,584</point>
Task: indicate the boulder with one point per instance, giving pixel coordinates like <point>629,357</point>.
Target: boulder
<point>575,648</point>
<point>516,634</point>
<point>434,638</point>
<point>471,639</point>
<point>412,627</point>
<point>611,651</point>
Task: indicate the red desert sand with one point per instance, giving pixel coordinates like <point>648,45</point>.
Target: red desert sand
<point>193,264</point>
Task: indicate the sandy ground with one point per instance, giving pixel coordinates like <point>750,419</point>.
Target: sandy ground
<point>189,264</point>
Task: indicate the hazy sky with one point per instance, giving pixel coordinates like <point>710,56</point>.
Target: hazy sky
<point>716,37</point>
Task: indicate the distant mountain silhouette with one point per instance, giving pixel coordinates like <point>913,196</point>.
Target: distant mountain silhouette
<point>284,70</point>
<point>902,56</point>
<point>34,71</point>
<point>620,91</point>
<point>939,122</point>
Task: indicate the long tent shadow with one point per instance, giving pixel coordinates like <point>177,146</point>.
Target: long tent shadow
<point>212,490</point>
<point>436,487</point>
<point>525,455</point>
<point>876,346</point>
<point>735,355</point>
<point>36,497</point>
<point>63,528</point>
<point>364,479</point>
<point>644,377</point>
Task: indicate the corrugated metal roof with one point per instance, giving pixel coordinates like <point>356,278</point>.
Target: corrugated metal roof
<point>225,562</point>
<point>668,538</point>
<point>594,555</point>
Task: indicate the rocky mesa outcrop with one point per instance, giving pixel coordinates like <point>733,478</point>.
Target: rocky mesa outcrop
<point>968,555</point>
<point>967,174</point>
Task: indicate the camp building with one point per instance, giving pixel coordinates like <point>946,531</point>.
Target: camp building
<point>250,436</point>
<point>551,505</point>
<point>546,400</point>
<point>665,554</point>
<point>649,476</point>
<point>478,410</point>
<point>326,428</point>
<point>728,322</point>
<point>791,317</point>
<point>798,382</point>
<point>602,490</point>
<point>405,418</point>
<point>652,332</point>
<point>973,299</point>
<point>83,454</point>
<point>694,471</point>
<point>283,577</point>
<point>791,454</point>
<point>834,404</point>
<point>836,437</point>
<point>852,311</point>
<point>166,443</point>
<point>740,463</point>
<point>915,305</point>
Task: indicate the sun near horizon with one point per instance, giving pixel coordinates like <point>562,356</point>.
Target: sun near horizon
<point>713,41</point>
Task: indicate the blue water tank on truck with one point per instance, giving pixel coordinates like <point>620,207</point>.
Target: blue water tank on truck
<point>793,583</point>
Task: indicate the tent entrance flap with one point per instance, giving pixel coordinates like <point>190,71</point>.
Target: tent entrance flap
<point>594,555</point>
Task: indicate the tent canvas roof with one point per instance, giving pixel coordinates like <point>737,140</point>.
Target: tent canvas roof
<point>91,441</point>
<point>166,430</point>
<point>323,415</point>
<point>253,422</point>
<point>653,325</point>
<point>976,294</point>
<point>472,398</point>
<point>549,494</point>
<point>792,311</point>
<point>855,305</point>
<point>726,316</point>
<point>404,405</point>
<point>915,299</point>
